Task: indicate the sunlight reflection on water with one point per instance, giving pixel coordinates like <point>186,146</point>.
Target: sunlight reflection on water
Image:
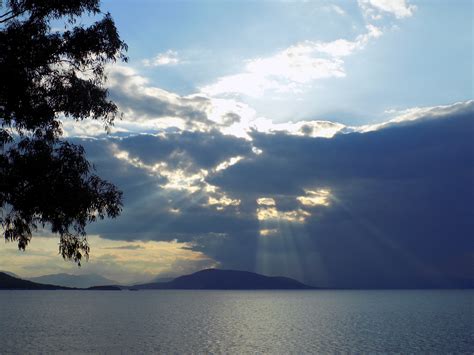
<point>236,321</point>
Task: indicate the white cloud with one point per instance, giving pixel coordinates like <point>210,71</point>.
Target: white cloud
<point>343,47</point>
<point>291,69</point>
<point>247,120</point>
<point>416,113</point>
<point>315,198</point>
<point>169,57</point>
<point>296,64</point>
<point>284,72</point>
<point>151,109</point>
<point>145,108</point>
<point>374,9</point>
<point>267,211</point>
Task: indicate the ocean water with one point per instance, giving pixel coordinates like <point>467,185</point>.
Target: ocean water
<point>238,322</point>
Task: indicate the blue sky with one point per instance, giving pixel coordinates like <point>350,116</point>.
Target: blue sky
<point>421,59</point>
<point>327,141</point>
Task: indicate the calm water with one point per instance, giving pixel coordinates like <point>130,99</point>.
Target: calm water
<point>236,321</point>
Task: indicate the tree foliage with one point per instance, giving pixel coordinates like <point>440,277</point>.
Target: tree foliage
<point>47,75</point>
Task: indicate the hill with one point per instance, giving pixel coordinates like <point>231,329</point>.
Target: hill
<point>215,279</point>
<point>161,279</point>
<point>11,274</point>
<point>8,282</point>
<point>75,281</point>
<point>104,288</point>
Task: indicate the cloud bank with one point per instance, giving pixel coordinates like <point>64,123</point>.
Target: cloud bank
<point>389,206</point>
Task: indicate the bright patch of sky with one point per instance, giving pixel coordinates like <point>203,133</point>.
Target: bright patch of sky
<point>345,61</point>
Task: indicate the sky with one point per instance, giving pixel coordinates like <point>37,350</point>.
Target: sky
<point>329,141</point>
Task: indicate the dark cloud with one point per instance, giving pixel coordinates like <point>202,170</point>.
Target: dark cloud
<point>414,150</point>
<point>399,215</point>
<point>152,212</point>
<point>198,149</point>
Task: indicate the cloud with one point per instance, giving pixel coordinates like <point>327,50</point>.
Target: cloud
<point>315,198</point>
<point>342,47</point>
<point>395,207</point>
<point>417,113</point>
<point>185,149</point>
<point>118,260</point>
<point>348,156</point>
<point>125,247</point>
<point>292,68</point>
<point>153,107</point>
<point>167,174</point>
<point>169,57</point>
<point>148,109</point>
<point>371,206</point>
<point>374,9</point>
<point>386,207</point>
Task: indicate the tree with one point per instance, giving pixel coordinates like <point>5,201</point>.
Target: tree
<point>46,75</point>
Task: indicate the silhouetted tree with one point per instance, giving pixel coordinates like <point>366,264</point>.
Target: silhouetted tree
<point>45,75</point>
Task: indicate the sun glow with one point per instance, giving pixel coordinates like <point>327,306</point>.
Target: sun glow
<point>222,202</point>
<point>232,161</point>
<point>119,260</point>
<point>186,181</point>
<point>315,198</point>
<point>267,210</point>
<point>267,232</point>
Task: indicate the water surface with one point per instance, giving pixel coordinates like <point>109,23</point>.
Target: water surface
<point>236,321</point>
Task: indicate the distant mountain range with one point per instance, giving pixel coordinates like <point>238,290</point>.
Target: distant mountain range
<point>215,279</point>
<point>74,281</point>
<point>161,279</point>
<point>209,279</point>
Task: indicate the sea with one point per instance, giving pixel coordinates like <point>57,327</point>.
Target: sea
<point>237,322</point>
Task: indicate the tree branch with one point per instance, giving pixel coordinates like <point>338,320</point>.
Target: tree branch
<point>6,13</point>
<point>12,16</point>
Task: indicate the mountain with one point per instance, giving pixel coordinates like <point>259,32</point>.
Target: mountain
<point>11,274</point>
<point>75,281</point>
<point>216,279</point>
<point>162,279</point>
<point>8,282</point>
<point>105,288</point>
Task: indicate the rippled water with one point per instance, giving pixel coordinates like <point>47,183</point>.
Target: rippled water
<point>236,321</point>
